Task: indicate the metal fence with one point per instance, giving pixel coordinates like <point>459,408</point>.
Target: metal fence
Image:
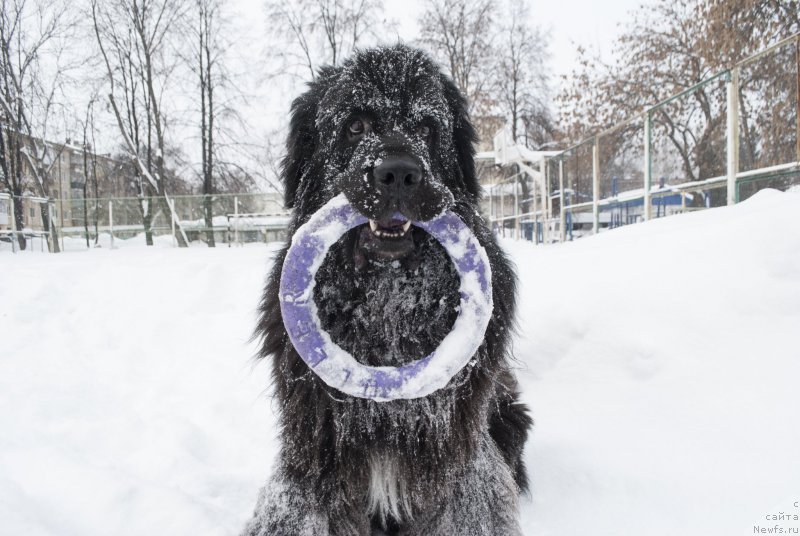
<point>714,144</point>
<point>78,223</point>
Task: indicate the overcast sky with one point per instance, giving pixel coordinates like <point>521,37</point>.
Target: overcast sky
<point>571,22</point>
<point>586,22</point>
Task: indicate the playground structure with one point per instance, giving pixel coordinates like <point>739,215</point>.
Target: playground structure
<point>635,171</point>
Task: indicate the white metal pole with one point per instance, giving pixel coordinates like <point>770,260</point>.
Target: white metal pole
<point>648,168</point>
<point>52,236</point>
<point>174,238</point>
<point>547,203</point>
<point>503,208</point>
<point>562,212</point>
<point>516,207</point>
<point>535,225</point>
<point>13,226</point>
<point>596,186</point>
<point>797,93</point>
<point>111,221</point>
<point>236,219</point>
<point>733,134</point>
<point>491,204</point>
<point>61,213</point>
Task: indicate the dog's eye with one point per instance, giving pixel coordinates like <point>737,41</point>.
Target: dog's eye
<point>424,131</point>
<point>356,127</point>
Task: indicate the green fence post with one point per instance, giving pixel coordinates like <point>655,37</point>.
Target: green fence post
<point>648,162</point>
<point>596,186</point>
<point>733,134</point>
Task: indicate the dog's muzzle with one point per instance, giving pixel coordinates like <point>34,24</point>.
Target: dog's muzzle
<point>397,178</point>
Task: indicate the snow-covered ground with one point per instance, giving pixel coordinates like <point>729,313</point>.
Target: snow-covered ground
<point>661,361</point>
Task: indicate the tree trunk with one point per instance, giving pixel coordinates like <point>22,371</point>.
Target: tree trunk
<point>19,220</point>
<point>146,206</point>
<point>209,217</point>
<point>85,188</point>
<point>49,226</point>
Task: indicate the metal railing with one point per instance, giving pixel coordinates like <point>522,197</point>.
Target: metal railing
<point>78,223</point>
<point>713,144</point>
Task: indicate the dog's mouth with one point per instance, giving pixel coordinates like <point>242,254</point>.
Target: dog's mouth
<point>392,229</point>
<point>383,241</point>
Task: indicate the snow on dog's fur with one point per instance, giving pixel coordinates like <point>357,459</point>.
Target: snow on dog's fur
<point>448,463</point>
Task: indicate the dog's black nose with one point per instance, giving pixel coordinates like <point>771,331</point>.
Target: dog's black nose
<point>397,176</point>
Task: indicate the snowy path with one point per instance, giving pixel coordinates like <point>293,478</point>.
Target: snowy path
<point>663,372</point>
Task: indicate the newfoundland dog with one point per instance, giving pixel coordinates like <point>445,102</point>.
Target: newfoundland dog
<point>392,133</point>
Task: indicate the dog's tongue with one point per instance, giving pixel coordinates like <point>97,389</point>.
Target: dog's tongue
<point>394,223</point>
<point>368,247</point>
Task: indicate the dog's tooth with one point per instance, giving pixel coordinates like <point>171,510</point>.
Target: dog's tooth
<point>373,225</point>
<point>406,226</point>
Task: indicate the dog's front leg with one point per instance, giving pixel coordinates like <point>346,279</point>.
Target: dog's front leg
<point>288,507</point>
<point>285,508</point>
<point>481,502</point>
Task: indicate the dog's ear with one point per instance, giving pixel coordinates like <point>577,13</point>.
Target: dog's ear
<point>464,137</point>
<point>300,144</point>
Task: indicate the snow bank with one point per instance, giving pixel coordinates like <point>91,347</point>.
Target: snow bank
<point>661,362</point>
<point>129,404</point>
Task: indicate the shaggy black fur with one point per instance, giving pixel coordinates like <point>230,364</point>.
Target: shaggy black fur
<point>453,459</point>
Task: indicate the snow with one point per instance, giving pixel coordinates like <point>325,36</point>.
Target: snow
<point>660,360</point>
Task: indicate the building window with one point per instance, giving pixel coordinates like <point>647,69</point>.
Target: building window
<point>55,194</point>
<point>33,212</point>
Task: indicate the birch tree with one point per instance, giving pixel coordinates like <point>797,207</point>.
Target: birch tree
<point>320,32</point>
<point>29,97</point>
<point>134,41</point>
<point>521,77</point>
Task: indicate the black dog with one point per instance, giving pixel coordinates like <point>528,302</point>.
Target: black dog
<point>392,133</point>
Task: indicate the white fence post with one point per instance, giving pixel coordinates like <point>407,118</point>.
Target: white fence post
<point>51,238</point>
<point>547,203</point>
<point>111,221</point>
<point>236,219</point>
<point>172,210</point>
<point>516,207</point>
<point>596,186</point>
<point>648,168</point>
<point>502,209</point>
<point>491,204</point>
<point>562,212</point>
<point>733,134</point>
<point>534,204</point>
<point>13,226</point>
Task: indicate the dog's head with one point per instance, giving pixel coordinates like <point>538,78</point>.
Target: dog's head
<point>389,130</point>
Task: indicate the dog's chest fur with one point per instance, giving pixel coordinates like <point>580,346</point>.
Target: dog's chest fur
<point>387,496</point>
<point>390,313</point>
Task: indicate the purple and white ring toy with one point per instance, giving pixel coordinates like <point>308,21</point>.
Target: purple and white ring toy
<point>338,368</point>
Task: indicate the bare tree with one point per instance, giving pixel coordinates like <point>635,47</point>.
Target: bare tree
<point>133,37</point>
<point>29,93</point>
<point>320,32</point>
<point>521,78</point>
<point>207,56</point>
<point>90,170</point>
<point>672,46</point>
<point>459,34</point>
<point>736,29</point>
